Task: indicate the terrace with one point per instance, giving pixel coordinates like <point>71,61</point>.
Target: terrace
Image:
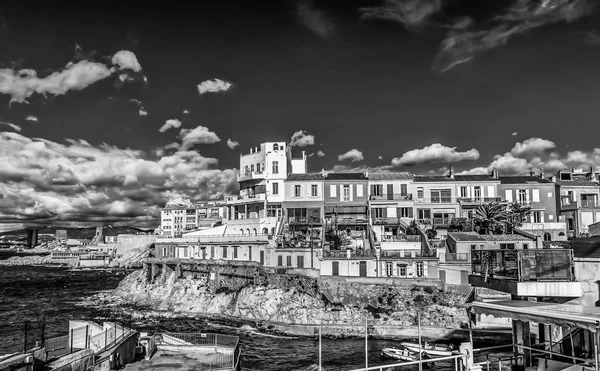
<point>391,197</point>
<point>478,200</point>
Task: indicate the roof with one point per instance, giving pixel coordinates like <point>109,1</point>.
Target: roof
<point>346,176</point>
<point>557,314</point>
<point>457,178</point>
<point>310,176</point>
<point>465,236</point>
<point>505,237</point>
<point>523,179</point>
<point>586,247</point>
<point>391,176</point>
<point>577,183</point>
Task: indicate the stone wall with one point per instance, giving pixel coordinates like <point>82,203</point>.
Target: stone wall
<point>129,242</point>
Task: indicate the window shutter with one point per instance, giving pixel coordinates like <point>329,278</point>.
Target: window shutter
<point>351,192</point>
<point>384,212</point>
<point>491,192</point>
<point>410,212</point>
<point>508,194</point>
<point>536,195</point>
<point>292,190</point>
<point>527,195</point>
<point>359,190</point>
<point>332,189</point>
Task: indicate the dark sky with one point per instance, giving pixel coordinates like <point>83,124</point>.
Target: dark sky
<point>377,80</point>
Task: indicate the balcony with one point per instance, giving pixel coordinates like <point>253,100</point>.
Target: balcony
<point>568,204</point>
<point>247,198</point>
<point>402,254</point>
<point>348,254</point>
<point>457,257</point>
<point>250,175</point>
<point>436,200</point>
<point>304,221</point>
<point>537,272</point>
<point>408,238</point>
<point>436,221</point>
<point>388,221</point>
<point>478,200</point>
<point>391,197</point>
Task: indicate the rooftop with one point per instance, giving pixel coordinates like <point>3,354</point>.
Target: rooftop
<point>526,179</point>
<point>391,176</point>
<point>310,176</point>
<point>346,176</point>
<point>586,247</point>
<point>457,178</point>
<point>577,183</point>
<point>505,237</point>
<point>465,236</point>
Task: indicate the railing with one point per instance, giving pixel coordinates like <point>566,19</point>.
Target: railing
<point>391,197</point>
<point>524,265</point>
<point>401,254</point>
<point>442,221</point>
<point>219,359</point>
<point>342,254</point>
<point>407,238</point>
<point>457,257</point>
<point>302,221</point>
<point>478,200</point>
<point>436,200</point>
<point>108,338</point>
<point>58,346</point>
<point>387,221</point>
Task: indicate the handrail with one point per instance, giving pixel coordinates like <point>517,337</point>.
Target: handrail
<point>430,360</point>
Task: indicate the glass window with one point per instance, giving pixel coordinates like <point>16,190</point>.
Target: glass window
<point>275,188</point>
<point>389,269</point>
<point>297,191</point>
<point>402,271</point>
<point>224,252</point>
<point>420,193</point>
<point>420,269</point>
<point>275,167</point>
<point>346,195</point>
<point>314,190</point>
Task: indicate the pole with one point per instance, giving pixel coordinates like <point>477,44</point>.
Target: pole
<point>419,332</point>
<point>71,341</point>
<point>596,340</point>
<point>25,343</point>
<point>366,344</point>
<point>320,351</point>
<point>43,333</point>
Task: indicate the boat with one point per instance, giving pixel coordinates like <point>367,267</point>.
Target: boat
<point>402,354</point>
<point>431,350</point>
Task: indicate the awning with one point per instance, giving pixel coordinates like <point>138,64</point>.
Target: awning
<point>554,314</point>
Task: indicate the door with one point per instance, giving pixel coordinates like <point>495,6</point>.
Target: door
<point>335,268</point>
<point>362,269</point>
<point>262,258</point>
<point>250,253</point>
<point>204,253</point>
<point>390,191</point>
<point>300,261</point>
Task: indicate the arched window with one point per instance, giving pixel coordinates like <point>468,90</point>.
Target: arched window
<point>273,231</point>
<point>547,236</point>
<point>254,230</point>
<point>265,231</point>
<point>561,234</point>
<point>275,147</point>
<point>242,231</point>
<point>248,231</point>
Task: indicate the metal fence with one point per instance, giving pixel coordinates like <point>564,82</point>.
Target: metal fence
<point>525,265</point>
<point>219,360</point>
<point>108,338</point>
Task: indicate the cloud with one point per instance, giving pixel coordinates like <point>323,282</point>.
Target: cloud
<point>13,126</point>
<point>142,112</point>
<point>215,86</point>
<point>199,135</point>
<point>301,139</point>
<point>434,154</point>
<point>31,118</point>
<point>21,84</point>
<point>514,134</point>
<point>186,111</point>
<point>46,181</point>
<point>380,158</point>
<point>320,153</point>
<point>353,154</point>
<point>170,123</point>
<point>314,19</point>
<point>413,14</point>
<point>360,168</point>
<point>532,146</point>
<point>232,144</point>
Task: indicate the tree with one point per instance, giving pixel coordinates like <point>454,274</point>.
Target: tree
<point>517,215</point>
<point>331,236</point>
<point>413,229</point>
<point>490,217</point>
<point>459,225</point>
<point>431,233</point>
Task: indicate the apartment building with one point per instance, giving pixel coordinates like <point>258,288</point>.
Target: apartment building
<point>475,190</point>
<point>346,201</point>
<point>180,216</point>
<point>436,201</point>
<point>577,200</point>
<point>303,199</point>
<point>391,206</point>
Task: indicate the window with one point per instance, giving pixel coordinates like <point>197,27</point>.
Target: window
<point>463,192</point>
<point>300,261</point>
<point>235,252</point>
<point>402,271</point>
<point>212,251</point>
<point>346,194</point>
<point>420,193</point>
<point>423,214</point>
<point>252,168</point>
<point>403,190</point>
<point>275,147</point>
<point>359,190</point>
<point>477,193</point>
<point>420,269</point>
<point>389,269</point>
<point>407,254</point>
<point>535,195</point>
<point>405,212</point>
<point>224,252</point>
<point>537,216</point>
<point>314,190</point>
<point>440,195</point>
<point>280,261</point>
<point>288,261</point>
<point>522,195</point>
<point>335,268</point>
<point>275,188</point>
<point>507,246</point>
<point>275,167</point>
<point>332,190</point>
<point>379,212</point>
<point>377,189</point>
<point>525,246</point>
<point>297,191</point>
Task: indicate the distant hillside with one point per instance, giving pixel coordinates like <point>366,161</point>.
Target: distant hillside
<point>79,233</point>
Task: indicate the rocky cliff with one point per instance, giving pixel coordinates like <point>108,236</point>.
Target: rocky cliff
<point>278,301</point>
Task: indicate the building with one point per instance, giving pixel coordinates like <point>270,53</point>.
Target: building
<point>391,206</point>
<point>577,200</point>
<point>303,199</point>
<point>180,216</point>
<point>475,190</point>
<point>540,195</point>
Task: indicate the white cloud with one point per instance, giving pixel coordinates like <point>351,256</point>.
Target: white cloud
<point>320,153</point>
<point>433,154</point>
<point>170,123</point>
<point>186,111</point>
<point>301,139</point>
<point>314,19</point>
<point>380,158</point>
<point>515,134</point>
<point>45,181</point>
<point>232,143</point>
<point>142,112</point>
<point>31,118</point>
<point>210,86</point>
<point>199,135</point>
<point>532,146</point>
<point>13,126</point>
<point>21,84</point>
<point>126,60</point>
<point>353,154</point>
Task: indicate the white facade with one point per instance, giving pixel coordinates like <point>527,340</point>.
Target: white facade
<point>178,219</point>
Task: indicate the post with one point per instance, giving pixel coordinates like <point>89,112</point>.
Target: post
<point>25,343</point>
<point>86,336</point>
<point>366,344</point>
<point>595,339</point>
<point>71,341</point>
<point>320,355</point>
<point>43,333</point>
<point>419,333</point>
<point>105,339</point>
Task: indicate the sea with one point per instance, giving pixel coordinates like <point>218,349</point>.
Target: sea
<point>31,295</point>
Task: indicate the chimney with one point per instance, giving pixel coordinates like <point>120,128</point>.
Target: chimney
<point>255,149</point>
<point>451,171</point>
<point>304,155</point>
<point>572,169</point>
<point>366,173</point>
<point>542,173</point>
<point>494,173</point>
<point>531,173</point>
<point>250,150</point>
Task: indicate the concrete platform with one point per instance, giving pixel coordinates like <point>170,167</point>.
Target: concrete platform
<point>183,358</point>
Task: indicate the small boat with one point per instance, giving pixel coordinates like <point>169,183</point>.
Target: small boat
<point>402,354</point>
<point>431,350</point>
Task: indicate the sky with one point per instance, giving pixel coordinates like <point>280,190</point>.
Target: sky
<point>109,111</point>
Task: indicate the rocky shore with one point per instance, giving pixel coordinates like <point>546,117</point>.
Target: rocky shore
<point>292,310</point>
<point>28,260</point>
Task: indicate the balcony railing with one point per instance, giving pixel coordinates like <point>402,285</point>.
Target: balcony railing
<point>343,254</point>
<point>387,221</point>
<point>250,175</point>
<point>409,238</point>
<point>402,254</point>
<point>435,221</point>
<point>478,200</point>
<point>304,220</point>
<point>391,197</point>
<point>457,257</point>
<point>588,203</point>
<point>524,265</point>
<point>436,200</point>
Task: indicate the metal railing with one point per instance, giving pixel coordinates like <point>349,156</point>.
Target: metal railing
<point>479,200</point>
<point>219,359</point>
<point>402,254</point>
<point>387,221</point>
<point>407,238</point>
<point>457,257</point>
<point>391,197</point>
<point>108,338</point>
<point>342,254</point>
<point>524,265</point>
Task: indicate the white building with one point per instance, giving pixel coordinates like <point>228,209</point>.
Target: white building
<point>180,216</point>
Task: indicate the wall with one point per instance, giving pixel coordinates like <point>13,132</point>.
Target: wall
<point>547,198</point>
<point>355,195</point>
<point>294,254</point>
<point>306,190</point>
<point>245,252</point>
<point>123,354</point>
<point>348,267</point>
<point>425,202</point>
<point>128,242</point>
<point>587,272</point>
<point>488,188</point>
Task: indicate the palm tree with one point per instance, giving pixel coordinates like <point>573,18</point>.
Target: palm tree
<point>490,216</point>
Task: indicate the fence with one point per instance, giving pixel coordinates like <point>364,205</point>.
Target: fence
<point>108,338</point>
<point>220,359</point>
